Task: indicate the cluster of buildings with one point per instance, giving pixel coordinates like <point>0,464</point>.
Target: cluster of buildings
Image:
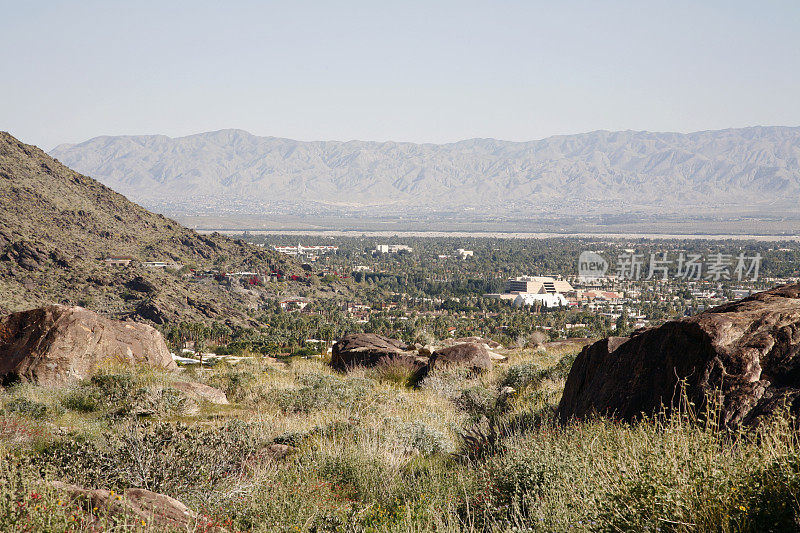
<point>547,292</point>
<point>538,291</point>
<point>310,252</point>
<point>125,260</point>
<point>460,253</point>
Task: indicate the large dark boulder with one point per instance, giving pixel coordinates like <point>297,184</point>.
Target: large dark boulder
<point>57,344</point>
<point>365,349</point>
<point>745,355</point>
<point>472,355</point>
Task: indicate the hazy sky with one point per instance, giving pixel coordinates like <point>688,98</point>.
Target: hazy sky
<point>428,71</point>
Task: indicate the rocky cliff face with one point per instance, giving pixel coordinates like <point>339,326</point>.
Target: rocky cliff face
<point>58,344</point>
<point>746,354</point>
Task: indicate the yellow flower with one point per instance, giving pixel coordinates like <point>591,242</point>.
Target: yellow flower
<point>742,508</point>
<point>144,523</point>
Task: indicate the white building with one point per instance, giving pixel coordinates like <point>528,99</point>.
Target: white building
<point>305,250</point>
<point>545,300</point>
<point>538,285</point>
<point>392,248</point>
<point>463,254</point>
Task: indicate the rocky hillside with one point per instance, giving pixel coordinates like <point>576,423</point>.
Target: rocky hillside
<point>57,226</point>
<point>739,170</point>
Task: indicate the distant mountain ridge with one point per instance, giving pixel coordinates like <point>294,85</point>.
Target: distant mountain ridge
<point>753,169</point>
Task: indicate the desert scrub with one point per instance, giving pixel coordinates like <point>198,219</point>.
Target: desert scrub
<point>237,381</point>
<point>450,382</point>
<point>126,395</point>
<point>29,503</point>
<point>770,496</point>
<point>162,457</point>
<point>401,371</point>
<point>319,391</point>
<point>25,407</point>
<point>425,439</point>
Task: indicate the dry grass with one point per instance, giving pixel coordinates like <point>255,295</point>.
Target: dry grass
<point>374,455</point>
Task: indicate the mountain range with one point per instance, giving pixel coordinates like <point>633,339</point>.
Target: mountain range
<point>749,170</point>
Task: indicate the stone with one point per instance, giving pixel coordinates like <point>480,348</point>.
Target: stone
<point>472,355</point>
<point>58,344</point>
<point>135,507</point>
<point>489,343</point>
<point>745,355</point>
<point>365,349</point>
<point>279,451</point>
<point>201,391</point>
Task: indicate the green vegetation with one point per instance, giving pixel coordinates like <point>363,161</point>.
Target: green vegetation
<point>459,453</point>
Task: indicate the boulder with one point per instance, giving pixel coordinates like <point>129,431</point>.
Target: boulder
<point>427,350</point>
<point>746,355</point>
<point>136,507</point>
<point>472,355</point>
<point>365,349</point>
<point>57,344</point>
<point>201,391</point>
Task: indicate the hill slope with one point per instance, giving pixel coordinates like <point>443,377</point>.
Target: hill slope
<point>752,169</point>
<point>56,226</point>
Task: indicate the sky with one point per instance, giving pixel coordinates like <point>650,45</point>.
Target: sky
<point>427,71</point>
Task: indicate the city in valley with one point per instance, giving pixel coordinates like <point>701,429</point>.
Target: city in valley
<point>399,267</point>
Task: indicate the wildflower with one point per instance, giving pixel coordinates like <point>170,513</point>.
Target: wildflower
<point>742,508</point>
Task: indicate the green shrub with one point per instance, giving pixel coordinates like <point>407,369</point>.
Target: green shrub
<point>324,390</point>
<point>236,382</point>
<point>358,478</point>
<point>476,401</point>
<point>82,399</point>
<point>26,407</point>
<point>772,497</point>
<point>115,388</point>
<point>160,457</point>
<point>424,439</point>
<point>523,375</point>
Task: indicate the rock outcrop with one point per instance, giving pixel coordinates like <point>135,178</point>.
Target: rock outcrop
<point>365,349</point>
<point>56,344</point>
<point>745,355</point>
